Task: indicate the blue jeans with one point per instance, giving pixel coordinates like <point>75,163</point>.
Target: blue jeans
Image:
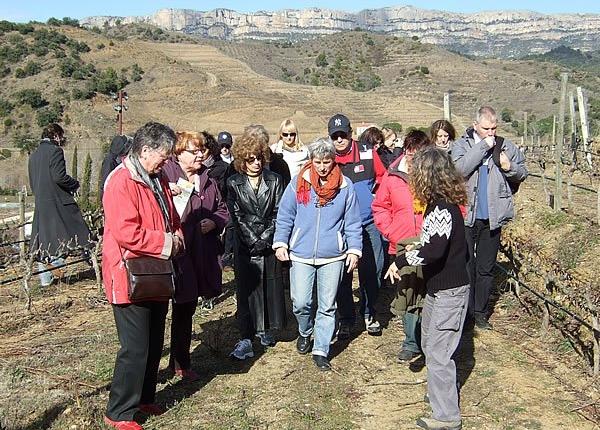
<point>302,279</point>
<point>370,266</point>
<point>46,278</point>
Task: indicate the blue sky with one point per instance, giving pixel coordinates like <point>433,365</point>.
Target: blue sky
<point>41,10</point>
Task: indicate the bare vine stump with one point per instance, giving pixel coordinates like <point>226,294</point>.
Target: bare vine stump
<point>596,333</point>
<point>545,318</point>
<point>96,263</point>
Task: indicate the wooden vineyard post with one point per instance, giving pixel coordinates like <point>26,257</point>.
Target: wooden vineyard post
<point>525,126</point>
<point>559,143</point>
<point>447,110</point>
<point>585,131</point>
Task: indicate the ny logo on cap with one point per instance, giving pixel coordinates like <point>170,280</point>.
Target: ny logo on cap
<point>338,122</point>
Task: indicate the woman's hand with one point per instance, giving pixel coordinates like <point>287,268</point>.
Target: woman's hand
<point>351,262</point>
<point>282,254</point>
<point>175,190</point>
<point>392,273</point>
<point>207,225</point>
<point>177,245</point>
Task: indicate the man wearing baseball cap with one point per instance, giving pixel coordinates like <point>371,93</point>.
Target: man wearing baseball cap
<point>364,168</point>
<point>225,141</point>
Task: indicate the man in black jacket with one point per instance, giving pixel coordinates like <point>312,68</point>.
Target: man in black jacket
<point>58,226</point>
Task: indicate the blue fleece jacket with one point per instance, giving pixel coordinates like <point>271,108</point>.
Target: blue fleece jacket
<point>319,234</point>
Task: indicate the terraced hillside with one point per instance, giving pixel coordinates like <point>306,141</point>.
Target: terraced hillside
<point>244,96</point>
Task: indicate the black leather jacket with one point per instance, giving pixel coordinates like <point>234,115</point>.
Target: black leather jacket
<point>254,214</point>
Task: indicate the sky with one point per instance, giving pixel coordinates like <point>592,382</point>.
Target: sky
<point>41,10</point>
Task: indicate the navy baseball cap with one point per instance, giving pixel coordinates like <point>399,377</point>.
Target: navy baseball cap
<point>224,138</point>
<point>338,122</point>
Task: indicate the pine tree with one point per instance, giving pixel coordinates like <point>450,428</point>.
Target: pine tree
<point>74,163</point>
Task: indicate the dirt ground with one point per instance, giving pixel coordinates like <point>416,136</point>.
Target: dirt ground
<point>56,364</point>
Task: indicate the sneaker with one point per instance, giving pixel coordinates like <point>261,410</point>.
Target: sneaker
<point>373,327</point>
<point>187,374</point>
<point>266,339</point>
<point>482,323</point>
<point>207,304</point>
<point>243,350</point>
<point>122,425</point>
<point>344,331</point>
<point>433,424</point>
<point>405,355</point>
<point>151,409</point>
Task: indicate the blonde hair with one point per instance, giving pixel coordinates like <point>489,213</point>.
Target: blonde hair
<point>289,126</point>
<point>253,142</point>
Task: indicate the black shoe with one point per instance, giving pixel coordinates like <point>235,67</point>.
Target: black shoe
<point>344,331</point>
<point>406,355</point>
<point>303,344</point>
<point>482,323</point>
<point>322,363</point>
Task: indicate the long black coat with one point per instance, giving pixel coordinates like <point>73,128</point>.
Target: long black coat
<point>57,220</point>
<point>257,271</point>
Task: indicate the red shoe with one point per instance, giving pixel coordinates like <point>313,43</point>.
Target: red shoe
<point>122,425</point>
<point>187,374</point>
<point>151,409</point>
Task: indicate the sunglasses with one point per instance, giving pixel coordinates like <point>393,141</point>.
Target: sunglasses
<point>288,134</point>
<point>338,134</point>
<point>252,159</point>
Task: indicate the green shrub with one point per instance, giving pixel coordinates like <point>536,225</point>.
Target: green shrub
<point>6,107</point>
<point>4,71</point>
<point>30,97</point>
<point>321,60</point>
<point>25,142</point>
<point>100,46</point>
<point>8,122</point>
<point>396,126</point>
<point>49,114</point>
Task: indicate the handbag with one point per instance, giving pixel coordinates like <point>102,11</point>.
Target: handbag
<point>150,278</point>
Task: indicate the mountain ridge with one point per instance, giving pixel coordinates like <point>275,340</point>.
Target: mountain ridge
<point>508,34</point>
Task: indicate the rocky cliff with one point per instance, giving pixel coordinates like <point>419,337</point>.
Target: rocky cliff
<point>495,33</point>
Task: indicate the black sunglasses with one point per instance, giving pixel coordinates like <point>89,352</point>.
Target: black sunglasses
<point>252,159</point>
<point>288,134</point>
<point>338,134</point>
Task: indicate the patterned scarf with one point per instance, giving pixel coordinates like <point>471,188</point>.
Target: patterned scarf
<point>325,192</point>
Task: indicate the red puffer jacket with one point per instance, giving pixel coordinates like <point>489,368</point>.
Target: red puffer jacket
<point>133,226</point>
<point>393,208</point>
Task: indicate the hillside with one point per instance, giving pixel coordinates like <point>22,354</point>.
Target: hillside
<point>405,68</point>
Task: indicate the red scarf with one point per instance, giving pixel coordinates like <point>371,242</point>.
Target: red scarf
<point>326,192</point>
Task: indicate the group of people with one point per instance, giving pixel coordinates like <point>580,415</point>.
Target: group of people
<point>427,208</point>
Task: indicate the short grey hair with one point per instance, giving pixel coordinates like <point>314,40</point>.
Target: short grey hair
<point>485,112</point>
<point>155,136</point>
<point>321,148</point>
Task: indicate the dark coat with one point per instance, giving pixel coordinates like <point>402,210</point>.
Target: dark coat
<point>388,156</point>
<point>118,149</point>
<point>278,165</point>
<point>220,171</point>
<point>57,220</point>
<point>257,271</point>
<point>199,273</point>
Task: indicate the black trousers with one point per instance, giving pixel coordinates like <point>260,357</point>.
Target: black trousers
<point>141,330</point>
<point>483,245</point>
<point>181,334</point>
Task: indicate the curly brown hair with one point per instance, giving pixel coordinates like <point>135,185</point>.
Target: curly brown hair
<point>253,142</point>
<point>433,176</point>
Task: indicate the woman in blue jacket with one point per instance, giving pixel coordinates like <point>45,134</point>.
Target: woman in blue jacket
<point>319,229</point>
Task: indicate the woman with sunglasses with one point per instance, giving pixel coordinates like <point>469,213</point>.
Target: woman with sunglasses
<point>293,151</point>
<point>253,196</point>
<point>202,220</point>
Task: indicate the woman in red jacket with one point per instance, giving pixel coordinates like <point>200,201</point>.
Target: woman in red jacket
<point>398,216</point>
<point>140,220</point>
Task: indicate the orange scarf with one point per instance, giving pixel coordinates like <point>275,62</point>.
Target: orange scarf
<point>325,192</point>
